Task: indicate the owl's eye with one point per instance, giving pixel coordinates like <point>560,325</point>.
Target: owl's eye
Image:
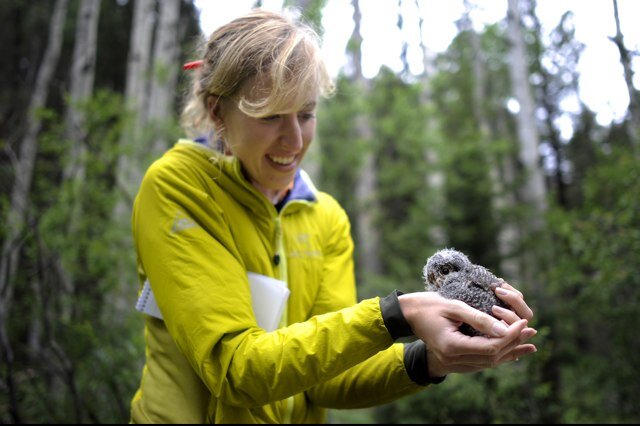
<point>445,270</point>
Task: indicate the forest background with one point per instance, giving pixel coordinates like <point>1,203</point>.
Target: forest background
<point>90,96</point>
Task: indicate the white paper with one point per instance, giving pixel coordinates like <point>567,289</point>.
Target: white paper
<point>147,302</point>
<point>268,297</point>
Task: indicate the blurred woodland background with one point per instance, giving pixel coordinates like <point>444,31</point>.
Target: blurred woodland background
<point>90,95</point>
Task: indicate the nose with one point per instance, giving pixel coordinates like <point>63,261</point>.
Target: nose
<point>291,132</point>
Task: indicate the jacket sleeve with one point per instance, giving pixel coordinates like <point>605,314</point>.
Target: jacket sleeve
<point>389,374</point>
<point>337,289</point>
<point>378,380</point>
<point>186,248</point>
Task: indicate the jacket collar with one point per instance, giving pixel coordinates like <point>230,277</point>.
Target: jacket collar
<point>233,179</point>
<point>303,189</point>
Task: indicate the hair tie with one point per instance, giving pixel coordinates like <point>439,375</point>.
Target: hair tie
<point>192,65</point>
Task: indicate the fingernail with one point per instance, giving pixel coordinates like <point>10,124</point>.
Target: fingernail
<point>499,329</point>
<point>501,291</point>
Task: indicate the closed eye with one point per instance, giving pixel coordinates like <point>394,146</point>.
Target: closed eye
<point>305,116</point>
<point>302,116</point>
<point>270,118</point>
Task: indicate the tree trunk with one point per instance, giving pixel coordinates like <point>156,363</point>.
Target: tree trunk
<point>164,76</point>
<point>534,192</point>
<point>130,163</point>
<point>405,45</point>
<point>82,77</point>
<point>365,191</point>
<point>83,62</point>
<point>15,225</point>
<point>434,180</point>
<point>500,198</point>
<point>633,123</point>
<point>134,144</point>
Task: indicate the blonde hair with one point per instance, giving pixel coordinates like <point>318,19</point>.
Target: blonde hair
<point>280,57</point>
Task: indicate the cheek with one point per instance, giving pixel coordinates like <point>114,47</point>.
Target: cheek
<point>243,141</point>
<point>308,132</point>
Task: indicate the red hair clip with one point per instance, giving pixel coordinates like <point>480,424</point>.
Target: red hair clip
<point>192,65</point>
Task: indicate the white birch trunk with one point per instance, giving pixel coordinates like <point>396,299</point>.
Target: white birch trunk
<point>130,163</point>
<point>501,200</point>
<point>534,191</point>
<point>82,77</point>
<point>405,44</point>
<point>134,145</point>
<point>365,192</point>
<point>633,123</point>
<point>434,179</point>
<point>164,78</point>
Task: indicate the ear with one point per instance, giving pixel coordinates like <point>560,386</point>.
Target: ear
<point>214,107</point>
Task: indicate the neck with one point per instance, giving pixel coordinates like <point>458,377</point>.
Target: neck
<point>273,195</point>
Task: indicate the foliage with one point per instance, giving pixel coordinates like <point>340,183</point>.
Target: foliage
<point>311,13</point>
<point>24,34</point>
<point>469,217</point>
<point>596,255</point>
<point>78,345</point>
<point>401,141</point>
<point>470,399</point>
<point>341,149</point>
<point>79,356</point>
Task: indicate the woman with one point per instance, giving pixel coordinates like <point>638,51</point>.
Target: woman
<point>213,222</point>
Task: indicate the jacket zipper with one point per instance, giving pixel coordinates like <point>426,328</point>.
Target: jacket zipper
<point>280,260</point>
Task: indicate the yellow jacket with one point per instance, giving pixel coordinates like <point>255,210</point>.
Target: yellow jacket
<point>198,228</point>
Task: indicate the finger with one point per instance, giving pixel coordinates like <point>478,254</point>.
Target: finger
<point>526,334</point>
<point>507,315</point>
<point>515,301</point>
<point>487,346</point>
<point>512,288</point>
<point>460,311</point>
<point>517,353</point>
<point>480,362</point>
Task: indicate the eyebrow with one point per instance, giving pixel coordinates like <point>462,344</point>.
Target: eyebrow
<point>309,105</point>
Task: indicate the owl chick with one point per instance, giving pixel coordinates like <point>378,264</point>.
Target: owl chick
<point>451,274</point>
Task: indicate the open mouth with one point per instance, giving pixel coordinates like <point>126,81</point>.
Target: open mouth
<point>283,161</point>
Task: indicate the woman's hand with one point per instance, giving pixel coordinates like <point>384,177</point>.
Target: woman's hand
<point>436,320</point>
<point>515,300</point>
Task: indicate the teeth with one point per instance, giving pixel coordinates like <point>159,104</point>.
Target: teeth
<point>282,160</point>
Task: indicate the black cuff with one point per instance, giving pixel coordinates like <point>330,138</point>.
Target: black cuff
<point>392,316</point>
<point>416,364</point>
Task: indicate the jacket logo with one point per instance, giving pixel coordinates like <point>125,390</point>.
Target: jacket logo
<point>304,248</point>
<point>182,222</point>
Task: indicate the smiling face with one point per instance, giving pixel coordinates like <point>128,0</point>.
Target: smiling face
<point>259,82</point>
<point>269,148</point>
